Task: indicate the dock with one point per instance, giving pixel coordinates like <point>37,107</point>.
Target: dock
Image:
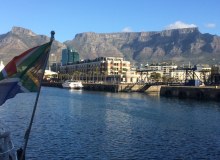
<point>122,87</point>
<point>111,87</point>
<point>198,92</point>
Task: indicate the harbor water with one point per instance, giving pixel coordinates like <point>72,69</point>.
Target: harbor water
<point>78,124</point>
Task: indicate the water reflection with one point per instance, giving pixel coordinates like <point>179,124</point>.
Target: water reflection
<point>76,124</point>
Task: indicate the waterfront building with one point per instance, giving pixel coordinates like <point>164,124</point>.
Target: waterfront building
<point>52,62</point>
<point>215,74</point>
<point>110,65</point>
<point>69,56</point>
<point>165,67</point>
<point>202,75</point>
<point>59,64</point>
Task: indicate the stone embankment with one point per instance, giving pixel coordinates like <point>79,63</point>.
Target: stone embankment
<point>111,87</point>
<point>204,92</point>
<point>122,87</point>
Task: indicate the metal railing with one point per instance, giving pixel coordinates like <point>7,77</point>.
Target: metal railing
<point>6,145</point>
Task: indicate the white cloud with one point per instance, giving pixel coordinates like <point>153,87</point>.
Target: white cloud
<point>210,25</point>
<point>178,25</point>
<point>127,29</point>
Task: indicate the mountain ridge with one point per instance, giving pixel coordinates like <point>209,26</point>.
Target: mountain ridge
<point>20,39</point>
<point>181,45</point>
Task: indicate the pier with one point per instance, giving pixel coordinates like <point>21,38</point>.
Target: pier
<point>112,87</point>
<point>200,92</point>
<point>122,87</point>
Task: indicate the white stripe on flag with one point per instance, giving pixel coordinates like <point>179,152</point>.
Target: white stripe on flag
<point>22,88</point>
<point>4,73</point>
<point>22,59</point>
<point>10,80</point>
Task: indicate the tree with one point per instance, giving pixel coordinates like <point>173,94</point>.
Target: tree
<point>79,75</point>
<point>73,75</point>
<point>156,76</point>
<point>93,72</point>
<point>114,69</point>
<point>90,75</point>
<point>86,77</point>
<point>105,73</point>
<point>76,73</point>
<point>97,73</point>
<point>171,79</point>
<point>165,78</point>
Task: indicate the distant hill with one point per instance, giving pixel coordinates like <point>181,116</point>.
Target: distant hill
<point>181,45</point>
<point>20,39</point>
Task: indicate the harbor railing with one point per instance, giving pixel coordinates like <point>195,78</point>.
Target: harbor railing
<point>6,146</point>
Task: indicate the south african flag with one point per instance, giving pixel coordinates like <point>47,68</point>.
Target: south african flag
<point>22,74</point>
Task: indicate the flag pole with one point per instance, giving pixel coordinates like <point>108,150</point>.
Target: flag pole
<point>26,137</point>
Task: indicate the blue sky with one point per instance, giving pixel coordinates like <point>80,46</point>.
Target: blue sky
<point>69,17</point>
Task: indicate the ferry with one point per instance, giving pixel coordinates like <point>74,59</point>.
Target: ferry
<point>73,84</point>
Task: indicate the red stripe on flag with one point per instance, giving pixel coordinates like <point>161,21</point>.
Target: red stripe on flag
<point>11,68</point>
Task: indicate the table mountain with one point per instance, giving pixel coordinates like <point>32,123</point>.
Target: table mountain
<point>182,45</point>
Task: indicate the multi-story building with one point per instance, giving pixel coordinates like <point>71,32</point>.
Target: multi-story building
<point>201,75</point>
<point>166,68</point>
<point>52,63</point>
<point>101,64</point>
<point>69,56</point>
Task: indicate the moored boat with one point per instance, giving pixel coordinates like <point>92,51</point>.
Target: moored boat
<point>72,84</point>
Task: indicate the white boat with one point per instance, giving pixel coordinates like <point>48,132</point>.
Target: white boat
<point>72,84</point>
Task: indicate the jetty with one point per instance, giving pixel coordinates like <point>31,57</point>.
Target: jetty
<point>122,87</point>
<point>110,87</point>
<point>198,92</point>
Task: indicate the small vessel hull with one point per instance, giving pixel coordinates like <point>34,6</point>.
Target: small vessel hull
<point>72,85</point>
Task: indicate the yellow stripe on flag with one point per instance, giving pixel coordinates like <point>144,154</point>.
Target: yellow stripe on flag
<point>47,49</point>
<point>33,78</point>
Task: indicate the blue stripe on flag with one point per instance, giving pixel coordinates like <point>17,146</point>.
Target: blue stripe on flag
<point>8,89</point>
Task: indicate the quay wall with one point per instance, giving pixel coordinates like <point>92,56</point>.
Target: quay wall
<point>122,87</point>
<point>111,87</point>
<point>205,92</point>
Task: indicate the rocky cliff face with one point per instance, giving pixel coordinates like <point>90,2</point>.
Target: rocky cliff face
<point>20,39</point>
<point>182,45</point>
